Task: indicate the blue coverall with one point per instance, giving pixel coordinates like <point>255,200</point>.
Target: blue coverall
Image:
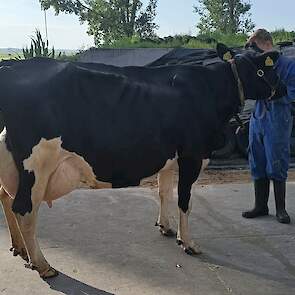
<point>270,129</point>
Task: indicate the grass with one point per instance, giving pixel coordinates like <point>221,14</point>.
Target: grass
<point>4,56</point>
<point>63,56</point>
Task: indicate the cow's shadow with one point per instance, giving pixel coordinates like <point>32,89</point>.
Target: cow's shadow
<point>70,286</point>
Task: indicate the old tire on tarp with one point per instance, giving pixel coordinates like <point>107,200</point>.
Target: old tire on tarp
<point>230,145</point>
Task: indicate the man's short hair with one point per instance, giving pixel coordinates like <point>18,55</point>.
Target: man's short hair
<point>261,35</point>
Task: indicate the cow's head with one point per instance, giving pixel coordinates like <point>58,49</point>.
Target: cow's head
<point>255,71</point>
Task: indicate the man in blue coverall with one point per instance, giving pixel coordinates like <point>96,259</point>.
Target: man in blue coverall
<point>269,136</point>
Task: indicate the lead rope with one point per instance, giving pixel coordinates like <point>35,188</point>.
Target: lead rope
<point>241,93</point>
<point>240,84</point>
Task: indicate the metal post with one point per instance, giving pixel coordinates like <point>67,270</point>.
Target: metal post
<point>45,20</point>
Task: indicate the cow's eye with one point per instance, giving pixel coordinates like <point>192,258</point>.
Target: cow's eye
<point>260,73</point>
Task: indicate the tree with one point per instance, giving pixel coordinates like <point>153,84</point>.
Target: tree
<point>110,20</point>
<point>225,16</point>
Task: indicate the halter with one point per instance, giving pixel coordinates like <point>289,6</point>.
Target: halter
<point>260,73</point>
<point>240,84</point>
<point>242,96</point>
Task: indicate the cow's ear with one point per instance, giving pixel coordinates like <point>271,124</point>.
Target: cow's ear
<point>268,59</point>
<point>224,52</point>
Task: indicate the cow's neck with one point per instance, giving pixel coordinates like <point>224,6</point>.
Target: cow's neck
<point>227,92</point>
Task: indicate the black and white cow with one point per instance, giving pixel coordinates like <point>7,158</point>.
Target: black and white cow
<point>70,125</point>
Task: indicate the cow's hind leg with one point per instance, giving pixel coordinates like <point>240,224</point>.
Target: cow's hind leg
<point>26,206</point>
<point>165,186</point>
<point>189,170</point>
<point>28,225</point>
<point>17,242</point>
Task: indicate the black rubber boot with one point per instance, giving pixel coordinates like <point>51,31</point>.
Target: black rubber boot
<point>280,196</point>
<point>261,187</point>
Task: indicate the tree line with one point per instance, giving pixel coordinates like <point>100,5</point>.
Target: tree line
<point>112,20</point>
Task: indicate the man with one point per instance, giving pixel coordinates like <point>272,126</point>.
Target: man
<point>269,136</point>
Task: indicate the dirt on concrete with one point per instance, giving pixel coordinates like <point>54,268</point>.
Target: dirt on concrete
<point>212,176</point>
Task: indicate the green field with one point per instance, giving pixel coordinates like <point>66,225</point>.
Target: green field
<point>4,56</point>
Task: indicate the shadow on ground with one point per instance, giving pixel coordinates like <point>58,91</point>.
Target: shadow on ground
<point>70,286</point>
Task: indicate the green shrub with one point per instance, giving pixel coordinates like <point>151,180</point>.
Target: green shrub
<point>38,48</point>
<point>72,57</point>
<point>199,44</point>
<point>180,41</point>
<point>280,35</point>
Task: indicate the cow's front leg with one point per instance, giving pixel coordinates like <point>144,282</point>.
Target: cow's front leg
<point>165,187</point>
<point>17,242</point>
<point>189,170</point>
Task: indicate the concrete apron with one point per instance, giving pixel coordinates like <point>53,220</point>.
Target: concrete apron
<point>104,242</point>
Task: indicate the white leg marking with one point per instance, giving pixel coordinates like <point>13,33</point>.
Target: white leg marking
<point>205,163</point>
<point>17,242</point>
<point>183,236</point>
<point>165,189</point>
<point>27,225</point>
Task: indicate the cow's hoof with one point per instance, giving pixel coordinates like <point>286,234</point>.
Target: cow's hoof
<point>22,253</point>
<point>192,251</point>
<point>189,250</point>
<point>168,232</point>
<point>48,274</point>
<point>179,242</point>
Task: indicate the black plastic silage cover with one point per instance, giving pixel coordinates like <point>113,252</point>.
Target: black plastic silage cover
<point>185,56</point>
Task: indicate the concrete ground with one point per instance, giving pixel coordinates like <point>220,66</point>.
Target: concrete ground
<point>104,242</point>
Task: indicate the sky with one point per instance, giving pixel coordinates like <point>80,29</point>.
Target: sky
<point>20,18</point>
